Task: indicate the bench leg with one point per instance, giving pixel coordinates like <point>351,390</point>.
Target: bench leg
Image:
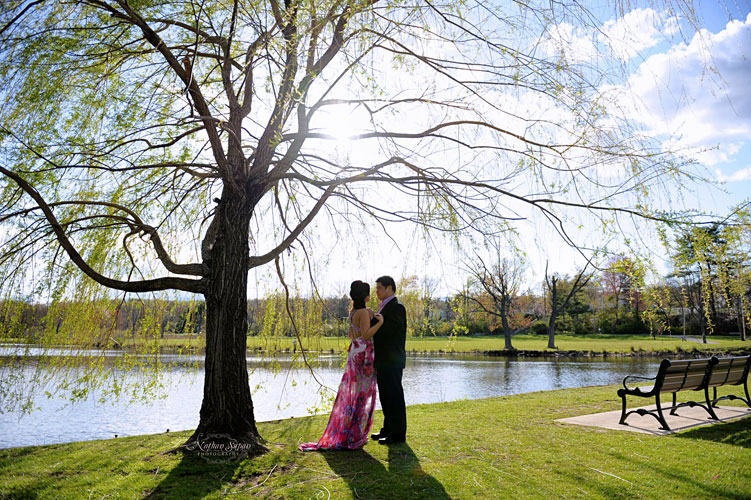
<point>661,417</point>
<point>710,409</point>
<point>622,421</point>
<point>675,403</point>
<point>731,397</point>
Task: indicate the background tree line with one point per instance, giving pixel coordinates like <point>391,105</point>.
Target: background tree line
<point>707,291</point>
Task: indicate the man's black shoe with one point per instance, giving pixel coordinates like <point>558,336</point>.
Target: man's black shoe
<point>376,437</point>
<point>391,440</point>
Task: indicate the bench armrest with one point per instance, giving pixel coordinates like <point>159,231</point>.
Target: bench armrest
<point>635,377</point>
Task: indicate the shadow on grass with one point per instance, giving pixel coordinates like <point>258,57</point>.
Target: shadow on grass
<point>194,478</point>
<point>736,433</point>
<point>708,490</point>
<point>606,484</point>
<point>8,459</point>
<point>20,493</point>
<point>403,462</point>
<point>369,478</point>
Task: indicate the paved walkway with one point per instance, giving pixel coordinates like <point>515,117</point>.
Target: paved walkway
<point>687,418</point>
<point>690,339</point>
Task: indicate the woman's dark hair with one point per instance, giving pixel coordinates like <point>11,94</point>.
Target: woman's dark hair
<point>359,293</point>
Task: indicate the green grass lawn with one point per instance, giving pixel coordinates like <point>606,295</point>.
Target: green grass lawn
<point>597,343</point>
<point>611,344</point>
<point>527,342</point>
<point>508,447</point>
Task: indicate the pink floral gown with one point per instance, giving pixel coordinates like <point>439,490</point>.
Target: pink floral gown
<point>352,415</point>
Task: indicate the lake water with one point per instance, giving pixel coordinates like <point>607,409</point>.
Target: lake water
<point>290,391</point>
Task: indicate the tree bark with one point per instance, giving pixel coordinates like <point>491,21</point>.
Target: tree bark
<point>553,313</point>
<point>712,303</point>
<point>742,318</point>
<point>617,305</point>
<point>504,321</point>
<point>227,407</point>
<point>551,330</point>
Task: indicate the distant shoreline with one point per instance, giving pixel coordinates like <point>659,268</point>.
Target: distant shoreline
<point>525,345</point>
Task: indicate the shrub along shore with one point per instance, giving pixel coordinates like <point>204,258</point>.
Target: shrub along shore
<point>506,447</point>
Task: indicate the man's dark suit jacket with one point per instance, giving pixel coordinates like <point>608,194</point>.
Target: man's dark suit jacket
<point>389,340</point>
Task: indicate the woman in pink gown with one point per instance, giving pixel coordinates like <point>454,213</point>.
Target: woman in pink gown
<point>352,415</point>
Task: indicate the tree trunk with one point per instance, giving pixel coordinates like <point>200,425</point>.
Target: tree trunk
<point>743,318</point>
<point>227,409</point>
<point>506,327</point>
<point>551,329</point>
<point>712,303</point>
<point>684,321</point>
<point>507,339</point>
<point>594,322</point>
<point>553,313</point>
<point>617,304</point>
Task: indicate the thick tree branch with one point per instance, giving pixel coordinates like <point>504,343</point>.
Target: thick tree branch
<point>269,139</point>
<point>219,40</point>
<point>196,286</point>
<point>431,132</point>
<point>269,256</point>
<point>135,222</point>
<point>248,70</point>
<point>20,15</point>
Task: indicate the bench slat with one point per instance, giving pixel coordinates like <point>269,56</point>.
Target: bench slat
<point>732,376</point>
<point>684,380</point>
<point>687,380</point>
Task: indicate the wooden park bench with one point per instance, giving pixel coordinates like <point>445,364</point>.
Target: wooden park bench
<point>688,375</point>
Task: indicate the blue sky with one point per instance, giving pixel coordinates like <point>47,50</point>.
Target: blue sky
<point>715,111</point>
<point>690,90</point>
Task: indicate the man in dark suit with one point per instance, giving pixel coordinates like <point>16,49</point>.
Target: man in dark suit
<point>390,359</point>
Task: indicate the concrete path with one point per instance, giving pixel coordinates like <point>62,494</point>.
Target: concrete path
<point>687,418</point>
<point>689,339</point>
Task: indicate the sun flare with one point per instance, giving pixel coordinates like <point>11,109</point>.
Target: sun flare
<point>343,124</point>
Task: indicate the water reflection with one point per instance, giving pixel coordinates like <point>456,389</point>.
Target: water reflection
<point>449,379</point>
<point>37,350</point>
<point>292,391</point>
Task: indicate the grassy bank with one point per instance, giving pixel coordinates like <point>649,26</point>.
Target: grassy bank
<point>507,447</point>
<point>611,344</point>
<point>584,343</point>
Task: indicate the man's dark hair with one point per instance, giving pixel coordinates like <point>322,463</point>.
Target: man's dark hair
<point>386,281</point>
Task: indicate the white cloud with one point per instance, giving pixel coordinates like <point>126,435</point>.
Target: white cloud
<point>721,154</point>
<point>636,31</point>
<point>573,43</point>
<point>697,93</point>
<point>624,38</point>
<point>743,174</point>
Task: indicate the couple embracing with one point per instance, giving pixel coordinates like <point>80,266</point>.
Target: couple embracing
<point>376,355</point>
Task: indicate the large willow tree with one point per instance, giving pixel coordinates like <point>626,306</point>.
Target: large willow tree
<point>155,145</point>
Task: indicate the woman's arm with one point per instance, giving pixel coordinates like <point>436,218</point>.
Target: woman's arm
<point>362,318</point>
